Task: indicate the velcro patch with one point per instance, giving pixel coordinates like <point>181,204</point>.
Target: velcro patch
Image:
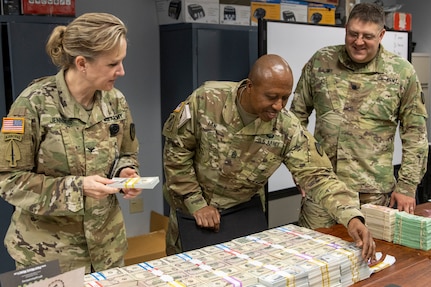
<point>13,125</point>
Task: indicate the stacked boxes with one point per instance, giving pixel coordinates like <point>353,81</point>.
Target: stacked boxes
<point>187,11</point>
<point>244,12</point>
<point>248,12</point>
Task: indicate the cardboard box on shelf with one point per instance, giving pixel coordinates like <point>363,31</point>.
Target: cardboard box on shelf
<point>399,21</point>
<point>332,2</point>
<point>264,9</point>
<point>187,11</point>
<point>54,8</point>
<point>342,11</point>
<point>10,7</point>
<point>321,14</point>
<point>235,12</point>
<point>293,11</point>
<point>148,246</point>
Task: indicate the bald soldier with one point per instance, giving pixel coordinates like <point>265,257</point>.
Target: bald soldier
<point>226,139</point>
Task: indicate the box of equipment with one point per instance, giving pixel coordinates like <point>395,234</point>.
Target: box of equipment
<point>264,9</point>
<point>332,2</point>
<point>48,7</point>
<point>187,11</point>
<point>342,11</point>
<point>148,246</point>
<point>321,14</point>
<point>399,21</point>
<point>10,7</point>
<point>235,12</point>
<point>293,11</point>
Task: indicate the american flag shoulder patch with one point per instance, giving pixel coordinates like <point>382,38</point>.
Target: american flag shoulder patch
<point>13,125</point>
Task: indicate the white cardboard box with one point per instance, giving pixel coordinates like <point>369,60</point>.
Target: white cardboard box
<point>235,12</point>
<point>187,11</point>
<point>293,11</point>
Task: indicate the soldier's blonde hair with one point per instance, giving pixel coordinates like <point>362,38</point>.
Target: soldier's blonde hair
<point>89,35</point>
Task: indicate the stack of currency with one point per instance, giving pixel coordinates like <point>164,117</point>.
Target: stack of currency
<point>289,256</point>
<point>358,269</point>
<point>412,231</point>
<point>380,220</point>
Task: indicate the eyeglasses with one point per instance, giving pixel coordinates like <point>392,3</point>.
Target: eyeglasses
<point>365,37</point>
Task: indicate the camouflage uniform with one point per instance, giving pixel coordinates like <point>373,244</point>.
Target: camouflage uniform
<point>42,172</point>
<point>358,108</point>
<point>212,157</point>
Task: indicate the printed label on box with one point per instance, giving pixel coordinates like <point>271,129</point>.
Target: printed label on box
<point>293,11</point>
<point>48,7</point>
<point>321,14</point>
<point>11,7</point>
<point>264,10</point>
<point>234,14</point>
<point>399,21</point>
<point>208,13</point>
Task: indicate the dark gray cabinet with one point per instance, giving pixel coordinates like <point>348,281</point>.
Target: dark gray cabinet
<point>22,58</point>
<point>191,54</point>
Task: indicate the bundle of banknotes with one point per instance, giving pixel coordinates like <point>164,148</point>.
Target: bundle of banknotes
<point>412,231</point>
<point>288,256</point>
<point>380,220</point>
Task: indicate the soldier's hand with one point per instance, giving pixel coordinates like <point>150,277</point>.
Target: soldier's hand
<point>301,190</point>
<point>363,238</point>
<point>129,192</point>
<point>404,202</point>
<point>208,217</point>
<point>96,187</point>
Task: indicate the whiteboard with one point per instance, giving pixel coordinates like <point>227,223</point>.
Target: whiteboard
<point>296,43</point>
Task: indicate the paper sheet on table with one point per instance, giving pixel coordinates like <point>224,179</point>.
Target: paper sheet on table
<point>388,261</point>
<point>68,279</point>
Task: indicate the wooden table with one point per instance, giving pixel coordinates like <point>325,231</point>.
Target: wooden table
<point>412,267</point>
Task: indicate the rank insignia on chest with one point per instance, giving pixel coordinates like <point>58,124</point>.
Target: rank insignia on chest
<point>13,126</point>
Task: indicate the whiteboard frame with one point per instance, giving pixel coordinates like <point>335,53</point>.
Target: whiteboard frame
<point>296,43</point>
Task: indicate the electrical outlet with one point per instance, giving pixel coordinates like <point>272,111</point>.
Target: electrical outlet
<point>136,205</point>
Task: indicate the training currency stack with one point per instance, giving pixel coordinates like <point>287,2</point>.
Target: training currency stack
<point>412,231</point>
<point>289,256</point>
<point>380,220</point>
